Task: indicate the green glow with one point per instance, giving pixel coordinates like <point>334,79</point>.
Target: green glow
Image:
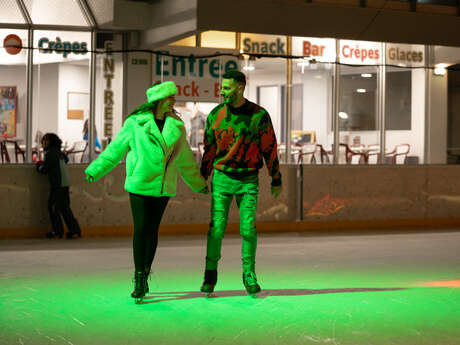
<point>85,308</point>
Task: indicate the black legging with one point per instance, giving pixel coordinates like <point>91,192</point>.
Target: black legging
<point>147,213</point>
<point>59,205</point>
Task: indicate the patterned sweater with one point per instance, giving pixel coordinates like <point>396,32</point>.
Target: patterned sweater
<point>237,140</point>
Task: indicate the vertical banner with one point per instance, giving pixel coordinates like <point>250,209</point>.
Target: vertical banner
<point>197,79</point>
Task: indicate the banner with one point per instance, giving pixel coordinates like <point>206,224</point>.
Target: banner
<point>197,79</point>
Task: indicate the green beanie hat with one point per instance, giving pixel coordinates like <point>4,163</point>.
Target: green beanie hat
<point>160,91</point>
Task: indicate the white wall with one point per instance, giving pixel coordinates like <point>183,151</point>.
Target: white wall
<point>45,99</point>
<point>72,78</point>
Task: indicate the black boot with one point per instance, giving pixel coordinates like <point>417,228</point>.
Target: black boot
<point>250,282</point>
<point>210,280</point>
<point>70,235</point>
<point>139,286</point>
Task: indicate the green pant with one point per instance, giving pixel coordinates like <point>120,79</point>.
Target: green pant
<point>246,192</point>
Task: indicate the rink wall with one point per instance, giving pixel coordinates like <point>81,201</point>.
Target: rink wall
<point>315,198</point>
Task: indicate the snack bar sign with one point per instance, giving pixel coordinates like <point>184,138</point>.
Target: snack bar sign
<point>197,78</point>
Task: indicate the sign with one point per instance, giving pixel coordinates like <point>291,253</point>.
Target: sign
<point>320,49</point>
<point>109,71</point>
<point>65,48</point>
<point>263,44</point>
<point>197,79</point>
<point>360,52</point>
<point>405,55</point>
<point>12,44</point>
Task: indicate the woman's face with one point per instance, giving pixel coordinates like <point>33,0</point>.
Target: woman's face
<point>166,105</point>
<point>45,143</point>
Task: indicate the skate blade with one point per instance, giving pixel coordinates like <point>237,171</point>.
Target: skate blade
<point>139,300</point>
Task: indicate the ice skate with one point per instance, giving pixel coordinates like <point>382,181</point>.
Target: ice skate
<point>250,283</point>
<point>210,280</point>
<point>139,287</point>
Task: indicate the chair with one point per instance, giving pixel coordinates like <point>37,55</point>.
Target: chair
<point>399,154</point>
<point>325,155</point>
<point>373,153</point>
<point>12,146</point>
<point>307,154</point>
<point>4,152</point>
<point>349,156</point>
<point>77,150</point>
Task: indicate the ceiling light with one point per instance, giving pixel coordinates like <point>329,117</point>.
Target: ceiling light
<point>366,75</point>
<point>440,69</point>
<point>343,115</point>
<point>249,68</point>
<point>361,90</point>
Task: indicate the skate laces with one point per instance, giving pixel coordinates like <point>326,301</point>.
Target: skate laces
<point>139,280</point>
<point>250,278</point>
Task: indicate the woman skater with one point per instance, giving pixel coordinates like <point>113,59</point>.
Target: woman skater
<point>155,139</point>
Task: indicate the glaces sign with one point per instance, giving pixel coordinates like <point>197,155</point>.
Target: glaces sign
<point>405,55</point>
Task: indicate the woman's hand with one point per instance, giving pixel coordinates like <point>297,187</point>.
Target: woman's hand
<point>90,179</point>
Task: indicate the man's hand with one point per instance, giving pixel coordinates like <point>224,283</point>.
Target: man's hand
<point>276,191</point>
<point>90,179</point>
<point>205,190</point>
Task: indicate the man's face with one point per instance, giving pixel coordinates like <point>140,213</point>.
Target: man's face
<point>230,90</point>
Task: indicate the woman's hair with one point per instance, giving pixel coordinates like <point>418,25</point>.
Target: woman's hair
<point>53,139</point>
<point>145,107</point>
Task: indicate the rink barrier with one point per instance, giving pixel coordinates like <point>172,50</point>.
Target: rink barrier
<point>332,198</point>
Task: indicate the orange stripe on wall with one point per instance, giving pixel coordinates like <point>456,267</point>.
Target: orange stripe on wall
<point>262,227</point>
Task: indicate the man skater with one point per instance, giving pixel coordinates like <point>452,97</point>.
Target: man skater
<point>239,135</point>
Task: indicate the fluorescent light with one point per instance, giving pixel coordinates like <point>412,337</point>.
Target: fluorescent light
<point>361,90</point>
<point>366,75</point>
<point>249,68</point>
<point>303,63</point>
<point>343,115</point>
<point>440,69</point>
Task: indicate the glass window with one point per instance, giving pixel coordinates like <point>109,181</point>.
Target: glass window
<point>10,12</point>
<point>359,131</point>
<point>312,135</point>
<point>189,41</point>
<point>405,104</point>
<point>13,94</point>
<point>61,88</point>
<point>266,80</point>
<point>358,115</point>
<point>218,39</point>
<point>55,12</point>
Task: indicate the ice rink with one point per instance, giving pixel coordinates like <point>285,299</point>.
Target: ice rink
<point>341,288</point>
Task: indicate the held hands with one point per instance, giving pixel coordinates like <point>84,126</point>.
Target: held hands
<point>90,179</point>
<point>276,191</point>
<point>205,190</point>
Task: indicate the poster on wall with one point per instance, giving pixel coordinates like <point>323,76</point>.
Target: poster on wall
<point>8,110</point>
<point>77,105</point>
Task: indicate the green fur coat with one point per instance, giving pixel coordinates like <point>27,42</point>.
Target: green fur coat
<point>154,158</point>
